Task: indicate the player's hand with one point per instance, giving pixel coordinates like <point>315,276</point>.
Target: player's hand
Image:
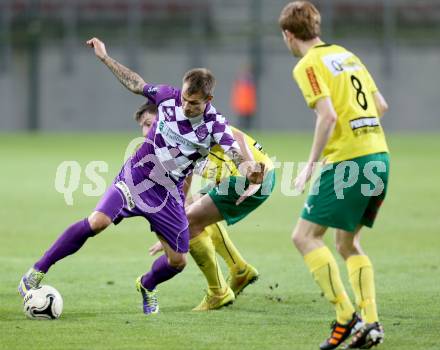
<point>303,177</point>
<point>99,47</point>
<point>155,248</point>
<point>255,173</point>
<point>250,191</point>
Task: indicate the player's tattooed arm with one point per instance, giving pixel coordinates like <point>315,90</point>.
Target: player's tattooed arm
<point>252,170</point>
<point>131,80</point>
<point>240,138</point>
<point>235,156</point>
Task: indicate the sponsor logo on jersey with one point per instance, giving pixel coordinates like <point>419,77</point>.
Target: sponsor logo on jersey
<point>126,193</point>
<point>338,63</point>
<point>364,122</point>
<point>170,134</point>
<point>313,81</point>
<point>152,90</point>
<point>202,132</point>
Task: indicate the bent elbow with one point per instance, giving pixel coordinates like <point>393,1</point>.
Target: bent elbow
<point>382,109</point>
<point>381,103</point>
<point>331,118</point>
<point>385,108</point>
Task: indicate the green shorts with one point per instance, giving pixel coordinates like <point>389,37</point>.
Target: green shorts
<point>228,191</point>
<point>348,193</point>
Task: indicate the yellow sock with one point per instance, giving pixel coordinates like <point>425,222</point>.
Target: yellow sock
<point>360,272</point>
<point>324,269</point>
<point>203,252</point>
<point>225,248</point>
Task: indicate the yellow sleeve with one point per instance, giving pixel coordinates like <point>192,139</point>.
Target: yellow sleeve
<point>217,166</point>
<point>311,83</point>
<point>370,81</point>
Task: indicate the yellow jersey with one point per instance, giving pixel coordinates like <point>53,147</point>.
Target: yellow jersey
<point>218,166</point>
<point>332,71</point>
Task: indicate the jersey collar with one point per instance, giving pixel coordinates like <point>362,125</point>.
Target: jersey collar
<point>321,44</point>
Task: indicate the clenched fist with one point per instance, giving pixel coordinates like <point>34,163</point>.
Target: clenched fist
<point>99,47</point>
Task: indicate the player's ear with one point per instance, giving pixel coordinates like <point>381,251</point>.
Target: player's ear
<point>287,34</point>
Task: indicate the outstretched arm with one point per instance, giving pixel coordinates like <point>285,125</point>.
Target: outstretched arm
<point>131,80</point>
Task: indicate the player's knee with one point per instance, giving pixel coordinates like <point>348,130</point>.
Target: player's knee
<point>194,233</point>
<point>347,248</point>
<point>178,261</point>
<point>99,221</point>
<point>341,248</point>
<point>195,227</point>
<point>297,239</point>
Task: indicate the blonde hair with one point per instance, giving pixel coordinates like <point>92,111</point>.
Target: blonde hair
<point>302,19</point>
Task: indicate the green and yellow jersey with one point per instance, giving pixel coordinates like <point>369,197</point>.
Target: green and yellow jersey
<point>218,165</point>
<point>332,71</point>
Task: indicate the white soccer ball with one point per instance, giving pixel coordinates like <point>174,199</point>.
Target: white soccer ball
<point>43,303</point>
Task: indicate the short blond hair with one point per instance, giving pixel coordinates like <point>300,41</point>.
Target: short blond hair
<point>302,19</point>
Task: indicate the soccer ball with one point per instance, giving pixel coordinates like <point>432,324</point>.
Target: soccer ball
<point>43,303</point>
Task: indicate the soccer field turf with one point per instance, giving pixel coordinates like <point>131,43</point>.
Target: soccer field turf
<point>283,310</point>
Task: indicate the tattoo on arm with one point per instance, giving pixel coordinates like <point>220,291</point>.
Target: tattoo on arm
<point>236,157</point>
<point>131,80</point>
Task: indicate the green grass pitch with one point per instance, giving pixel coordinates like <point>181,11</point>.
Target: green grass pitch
<point>284,310</point>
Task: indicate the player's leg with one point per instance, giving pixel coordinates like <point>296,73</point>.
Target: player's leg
<point>360,272</point>
<point>171,225</point>
<point>361,276</point>
<point>241,273</point>
<point>164,268</point>
<point>307,237</point>
<point>226,248</point>
<point>216,231</point>
<point>73,238</point>
<point>220,238</point>
<point>340,202</point>
<point>360,268</point>
<point>201,214</point>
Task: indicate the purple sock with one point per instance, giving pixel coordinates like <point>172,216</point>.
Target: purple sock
<point>68,243</point>
<point>160,272</point>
